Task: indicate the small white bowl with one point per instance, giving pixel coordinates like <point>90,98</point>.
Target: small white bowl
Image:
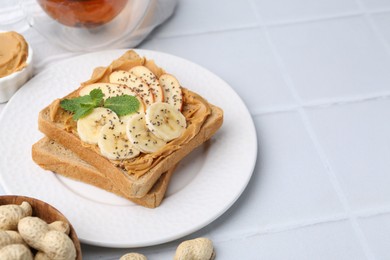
<point>11,83</point>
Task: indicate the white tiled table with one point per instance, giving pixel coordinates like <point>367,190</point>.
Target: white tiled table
<point>315,76</point>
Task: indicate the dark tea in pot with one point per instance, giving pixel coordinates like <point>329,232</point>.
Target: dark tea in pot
<point>83,13</point>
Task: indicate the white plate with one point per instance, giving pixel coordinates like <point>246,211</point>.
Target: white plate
<point>204,186</point>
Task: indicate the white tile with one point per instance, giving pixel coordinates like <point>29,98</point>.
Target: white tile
<point>322,241</point>
<point>355,138</point>
<point>376,4</point>
<point>289,10</point>
<point>289,186</point>
<point>382,21</point>
<point>251,70</point>
<point>377,233</point>
<point>195,16</point>
<point>333,58</point>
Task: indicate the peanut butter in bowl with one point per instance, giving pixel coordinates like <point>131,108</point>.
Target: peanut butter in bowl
<point>13,53</point>
<point>15,63</point>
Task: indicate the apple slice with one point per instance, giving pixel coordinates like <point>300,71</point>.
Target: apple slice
<point>172,90</point>
<point>148,76</point>
<point>113,90</point>
<point>135,83</point>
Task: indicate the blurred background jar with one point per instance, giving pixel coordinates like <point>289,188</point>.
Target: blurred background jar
<point>91,25</point>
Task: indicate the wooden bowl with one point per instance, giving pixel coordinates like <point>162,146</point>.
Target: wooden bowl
<point>46,212</point>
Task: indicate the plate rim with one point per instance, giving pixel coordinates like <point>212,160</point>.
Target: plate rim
<point>252,154</point>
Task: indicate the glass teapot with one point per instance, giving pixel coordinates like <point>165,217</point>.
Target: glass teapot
<point>90,25</point>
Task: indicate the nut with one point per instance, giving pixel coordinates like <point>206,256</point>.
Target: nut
<point>195,249</point>
<point>133,256</point>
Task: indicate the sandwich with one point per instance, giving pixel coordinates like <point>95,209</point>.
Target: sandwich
<point>130,124</point>
<point>54,157</point>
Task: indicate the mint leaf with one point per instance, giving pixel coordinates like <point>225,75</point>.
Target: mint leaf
<point>82,112</point>
<point>97,96</point>
<point>83,100</point>
<point>82,106</point>
<point>122,105</point>
<point>94,99</point>
<point>70,105</point>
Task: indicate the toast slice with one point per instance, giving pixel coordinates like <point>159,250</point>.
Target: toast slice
<point>133,177</point>
<point>54,157</point>
<point>129,185</point>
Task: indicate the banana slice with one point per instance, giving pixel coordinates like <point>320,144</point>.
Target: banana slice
<point>140,136</point>
<point>165,121</point>
<point>146,75</point>
<point>134,83</point>
<point>172,91</point>
<point>126,118</point>
<point>89,127</point>
<point>113,90</point>
<point>113,142</point>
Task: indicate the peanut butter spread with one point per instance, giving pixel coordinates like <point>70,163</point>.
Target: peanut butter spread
<point>195,109</point>
<point>13,53</point>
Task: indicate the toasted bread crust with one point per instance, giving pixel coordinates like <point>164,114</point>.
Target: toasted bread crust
<point>52,156</point>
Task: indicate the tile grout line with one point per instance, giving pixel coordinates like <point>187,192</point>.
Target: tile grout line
<point>368,17</point>
<point>205,32</point>
<point>272,24</point>
<point>336,184</point>
<point>300,108</point>
<point>346,100</point>
<point>254,26</point>
<point>279,228</point>
<point>379,35</point>
<point>325,161</point>
<point>318,104</point>
<point>371,213</point>
<point>324,17</point>
<point>312,19</point>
